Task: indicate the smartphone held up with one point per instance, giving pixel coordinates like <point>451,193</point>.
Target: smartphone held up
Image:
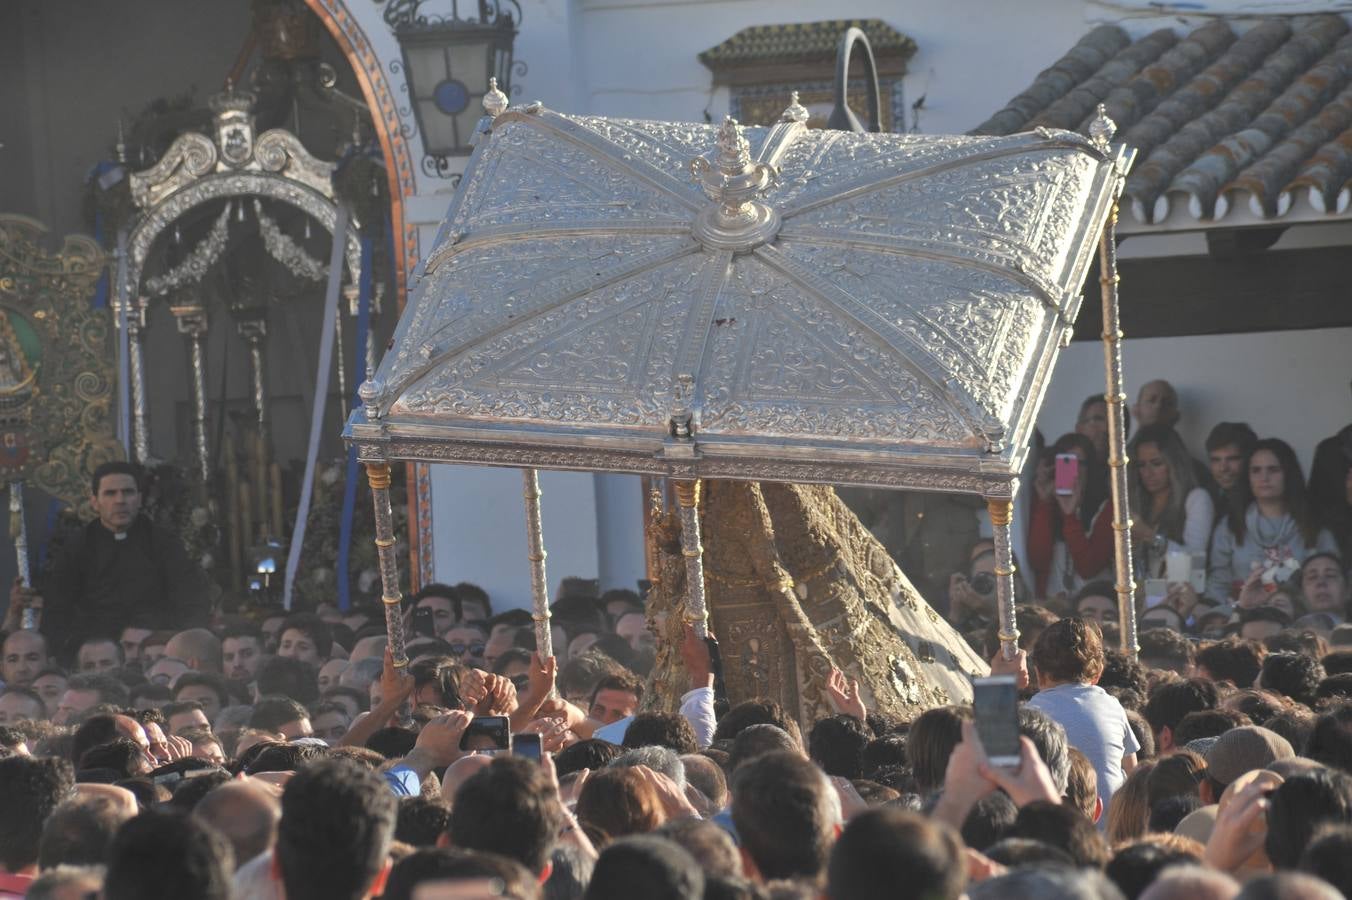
<point>996,704</point>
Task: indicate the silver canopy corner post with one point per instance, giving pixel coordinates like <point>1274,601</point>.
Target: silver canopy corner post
<point>687,500</point>
<point>535,552</point>
<point>18,529</point>
<point>1101,131</point>
<point>1002,513</point>
<point>378,476</point>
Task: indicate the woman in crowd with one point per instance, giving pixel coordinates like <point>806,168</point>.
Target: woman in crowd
<point>1170,513</point>
<point>1267,535</point>
<point>1070,543</point>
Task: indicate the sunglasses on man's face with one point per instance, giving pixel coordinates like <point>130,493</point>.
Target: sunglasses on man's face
<point>467,649</point>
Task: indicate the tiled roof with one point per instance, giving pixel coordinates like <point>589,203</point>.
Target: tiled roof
<point>802,41</point>
<point>1222,119</point>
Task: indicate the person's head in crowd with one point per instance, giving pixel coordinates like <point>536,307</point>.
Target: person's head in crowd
<point>288,677</point>
<point>1175,775</point>
<point>617,802</point>
<point>115,494</point>
<point>1302,641</point>
<point>166,671</point>
<point>933,736</point>
<point>660,759</point>
<point>619,601</point>
<point>1093,423</point>
<point>1049,738</point>
<point>84,692</point>
<point>21,704</point>
<point>1329,856</point>
<point>836,743</point>
<point>1292,675</point>
<point>1258,705</point>
<point>305,637</point>
<point>669,730</point>
<point>130,639</point>
<point>282,715</point>
<point>1161,618</point>
<point>1324,584</point>
<point>160,854</point>
<point>119,755</point>
<point>467,642</point>
<point>1239,751</point>
<point>883,851</point>
<point>1227,447</point>
<point>786,814</point>
<point>755,740</point>
<point>1334,687</point>
<point>615,697</point>
<point>1277,484</point>
<point>1129,807</point>
<point>329,673</point>
<point>197,647</point>
<point>442,603</point>
<point>1069,651</point>
<point>353,701</point>
<point>205,745</point>
<point>31,788</point>
<point>1213,622</point>
<point>67,883</point>
<point>1191,882</point>
<point>330,721</point>
<point>633,627</point>
<point>334,835</point>
<point>271,629</point>
<point>245,813</point>
<point>514,665</point>
<point>508,807</point>
<point>591,754</point>
<point>436,682</point>
<point>22,656</point>
<point>97,655</point>
<point>711,846</point>
<point>183,715</point>
<point>1262,622</point>
<point>1017,852</point>
<point>1082,786</point>
<point>989,821</point>
<point>51,685</point>
<point>241,652</point>
<point>421,821</point>
<point>707,777</point>
<point>1064,827</point>
<point>1097,600</point>
<point>1299,806</point>
<point>207,689</point>
<point>1330,740</point>
<point>1208,723</point>
<point>79,831</point>
<point>1156,404</point>
<point>360,675</point>
<point>1166,648</point>
<point>475,601</point>
<point>1295,723</point>
<point>506,877</point>
<point>152,648</point>
<point>1122,673</point>
<point>760,711</point>
<point>1161,478</point>
<point>647,867</point>
<point>1046,882</point>
<point>1169,703</point>
<point>1233,659</point>
<point>1135,866</point>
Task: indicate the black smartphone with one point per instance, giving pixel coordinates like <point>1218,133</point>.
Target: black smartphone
<point>422,622</point>
<point>487,733</point>
<point>527,745</point>
<point>996,702</point>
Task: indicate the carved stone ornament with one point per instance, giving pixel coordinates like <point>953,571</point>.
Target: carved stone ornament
<point>875,309</point>
<point>57,367</point>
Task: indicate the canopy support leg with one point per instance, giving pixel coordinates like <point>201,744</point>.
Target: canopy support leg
<point>687,500</point>
<point>378,474</point>
<point>18,529</point>
<point>1116,401</point>
<point>1002,513</point>
<point>139,424</point>
<point>535,552</point>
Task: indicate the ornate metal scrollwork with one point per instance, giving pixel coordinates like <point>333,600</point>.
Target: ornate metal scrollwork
<point>282,248</point>
<point>198,262</point>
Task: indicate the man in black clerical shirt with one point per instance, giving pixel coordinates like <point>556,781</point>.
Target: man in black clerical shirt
<point>119,570</point>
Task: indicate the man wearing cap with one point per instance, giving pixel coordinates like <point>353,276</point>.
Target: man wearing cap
<point>1237,751</point>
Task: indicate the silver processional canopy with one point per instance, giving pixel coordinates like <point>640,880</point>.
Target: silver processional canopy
<point>771,303</point>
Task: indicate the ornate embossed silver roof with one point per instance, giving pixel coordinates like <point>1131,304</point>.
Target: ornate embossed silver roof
<point>770,303</point>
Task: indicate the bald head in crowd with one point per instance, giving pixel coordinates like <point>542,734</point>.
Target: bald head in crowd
<point>197,647</point>
<point>1192,883</point>
<point>246,813</point>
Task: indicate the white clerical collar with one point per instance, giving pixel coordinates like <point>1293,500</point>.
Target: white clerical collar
<point>119,535</point>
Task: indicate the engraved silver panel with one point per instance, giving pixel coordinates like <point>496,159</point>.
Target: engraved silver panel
<point>809,306</point>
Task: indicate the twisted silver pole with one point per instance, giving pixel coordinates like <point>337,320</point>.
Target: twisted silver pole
<point>378,475</point>
<point>19,531</point>
<point>139,417</point>
<point>1002,513</point>
<point>535,552</point>
<point>687,501</point>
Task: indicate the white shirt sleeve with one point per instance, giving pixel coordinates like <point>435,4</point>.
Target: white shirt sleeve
<point>1198,513</point>
<point>698,708</point>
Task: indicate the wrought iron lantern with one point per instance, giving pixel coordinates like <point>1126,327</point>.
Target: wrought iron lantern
<point>448,61</point>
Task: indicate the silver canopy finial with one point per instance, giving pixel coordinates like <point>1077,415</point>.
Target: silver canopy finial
<point>1102,129</point>
<point>370,394</point>
<point>737,221</point>
<point>795,111</point>
<point>495,101</point>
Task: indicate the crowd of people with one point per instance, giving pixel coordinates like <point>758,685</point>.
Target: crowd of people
<point>187,753</point>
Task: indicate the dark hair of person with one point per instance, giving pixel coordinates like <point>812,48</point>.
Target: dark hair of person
<point>592,753</point>
<point>1330,741</point>
<point>121,755</point>
<point>188,792</point>
<point>882,850</point>
<point>1174,775</point>
<point>1329,856</point>
<point>989,821</point>
<point>1295,724</point>
<point>337,822</point>
<point>1069,650</point>
<point>278,757</point>
<point>208,680</point>
<point>116,467</point>
<point>271,713</point>
<point>1258,705</point>
<point>1181,479</point>
<point>648,867</point>
<point>782,814</point>
<point>242,630</point>
<point>1135,867</point>
<point>1338,662</point>
<point>515,618</point>
<point>930,742</point>
<point>571,870</point>
<point>1013,852</point>
<point>93,731</point>
<point>1293,492</point>
<point>617,649</point>
<point>1120,671</point>
<point>836,743</point>
<point>78,833</point>
<point>617,802</point>
<point>166,855</point>
<point>884,752</point>
<point>1207,723</point>
<point>1298,640</point>
<point>1049,737</point>
<point>393,741</point>
<point>1299,806</point>
<point>420,821</point>
<point>1233,659</point>
<point>508,807</point>
<point>1063,827</point>
<point>468,592</point>
<point>442,671</point>
<point>709,844</point>
<point>1265,614</point>
<point>428,864</point>
<point>757,740</point>
<point>1231,434</point>
<point>1081,783</point>
<point>437,589</point>
<point>152,693</point>
<point>285,676</point>
<point>361,698</point>
<point>1335,687</point>
<point>619,681</point>
<point>1292,675</point>
<point>109,689</point>
<point>1169,811</point>
<point>1169,703</point>
<point>670,730</point>
<point>755,712</point>
<point>1167,646</point>
<point>313,627</point>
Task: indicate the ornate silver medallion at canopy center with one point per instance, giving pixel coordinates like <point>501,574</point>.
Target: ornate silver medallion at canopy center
<point>770,303</point>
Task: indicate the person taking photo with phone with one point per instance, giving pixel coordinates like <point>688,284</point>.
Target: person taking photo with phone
<point>1070,542</point>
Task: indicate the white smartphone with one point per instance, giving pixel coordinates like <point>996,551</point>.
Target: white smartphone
<point>996,702</point>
